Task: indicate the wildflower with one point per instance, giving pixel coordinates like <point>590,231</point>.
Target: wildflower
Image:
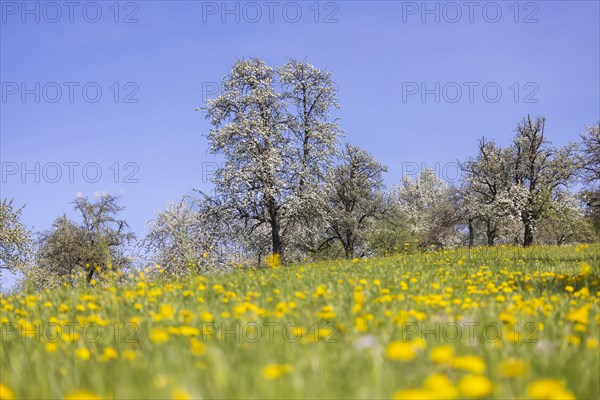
<point>441,386</point>
<point>441,354</point>
<point>274,371</point>
<point>273,260</point>
<point>548,389</point>
<point>400,351</point>
<point>83,353</point>
<point>128,355</point>
<point>6,393</point>
<point>475,386</point>
<point>109,354</point>
<point>159,336</point>
<point>82,395</point>
<point>473,364</point>
<point>413,394</point>
<point>207,316</point>
<point>197,347</point>
<point>580,315</point>
<point>585,269</point>
<point>513,368</point>
<point>179,394</point>
<point>360,325</point>
<point>51,347</point>
<point>300,295</point>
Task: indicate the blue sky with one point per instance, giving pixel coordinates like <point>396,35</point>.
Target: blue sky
<point>152,64</point>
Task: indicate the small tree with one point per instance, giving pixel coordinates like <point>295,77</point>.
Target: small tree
<point>591,174</point>
<point>15,238</point>
<point>564,222</point>
<point>190,237</point>
<point>96,244</point>
<point>491,200</point>
<point>427,206</point>
<point>354,199</point>
<point>591,154</point>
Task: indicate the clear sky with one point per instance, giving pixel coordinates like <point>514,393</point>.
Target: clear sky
<point>110,87</point>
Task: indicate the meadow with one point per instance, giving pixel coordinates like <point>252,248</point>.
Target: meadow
<point>501,322</point>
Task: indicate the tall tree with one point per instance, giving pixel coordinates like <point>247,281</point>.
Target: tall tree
<point>310,96</point>
<point>276,144</point>
<point>249,120</point>
<point>541,168</point>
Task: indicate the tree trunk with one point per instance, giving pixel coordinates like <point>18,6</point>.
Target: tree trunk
<point>471,233</point>
<point>528,236</point>
<point>276,238</point>
<point>349,252</point>
<point>349,245</point>
<point>491,235</point>
<point>90,275</point>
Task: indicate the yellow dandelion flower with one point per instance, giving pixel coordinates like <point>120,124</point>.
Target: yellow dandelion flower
<point>513,368</point>
<point>475,386</point>
<point>6,393</point>
<point>548,389</point>
<point>82,395</point>
<point>109,354</point>
<point>414,394</point>
<point>128,355</point>
<point>275,371</point>
<point>473,364</point>
<point>197,347</point>
<point>51,347</point>
<point>159,336</point>
<point>441,354</point>
<point>83,353</point>
<point>585,269</point>
<point>180,394</point>
<point>400,351</point>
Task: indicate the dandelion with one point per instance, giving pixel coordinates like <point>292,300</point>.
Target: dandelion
<point>82,395</point>
<point>179,394</point>
<point>51,347</point>
<point>83,353</point>
<point>275,371</point>
<point>548,389</point>
<point>475,386</point>
<point>159,336</point>
<point>473,364</point>
<point>441,354</point>
<point>273,260</point>
<point>109,353</point>
<point>400,351</point>
<point>513,368</point>
<point>585,269</point>
<point>6,393</point>
<point>197,347</point>
<point>441,386</point>
<point>414,394</point>
<point>128,355</point>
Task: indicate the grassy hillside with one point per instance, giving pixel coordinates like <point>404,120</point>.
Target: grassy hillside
<point>498,323</point>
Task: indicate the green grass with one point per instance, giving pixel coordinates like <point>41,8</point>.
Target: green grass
<point>540,300</point>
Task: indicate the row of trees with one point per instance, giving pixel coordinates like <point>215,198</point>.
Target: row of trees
<point>289,186</point>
